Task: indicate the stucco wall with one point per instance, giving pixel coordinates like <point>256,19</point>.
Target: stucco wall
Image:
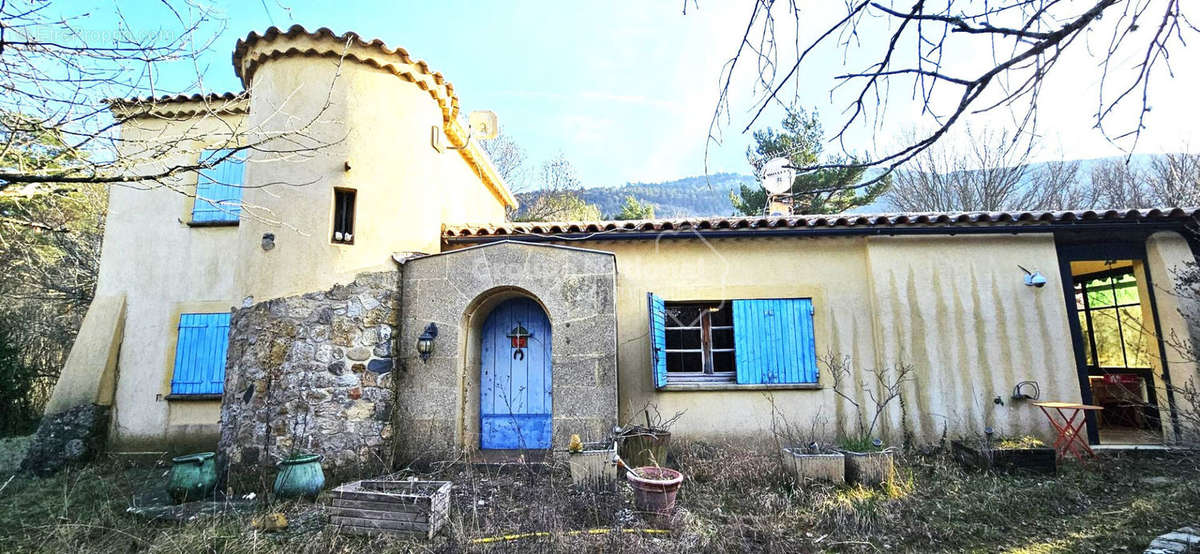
<point>963,319</point>
<point>307,126</point>
<point>89,375</point>
<point>1167,255</point>
<point>344,113</point>
<point>972,329</point>
<point>162,267</point>
<point>438,400</point>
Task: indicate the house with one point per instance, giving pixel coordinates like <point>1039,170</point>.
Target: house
<point>344,281</point>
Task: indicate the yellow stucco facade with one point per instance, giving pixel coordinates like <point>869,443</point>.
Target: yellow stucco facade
<point>325,112</point>
<point>358,116</point>
<point>954,308</point>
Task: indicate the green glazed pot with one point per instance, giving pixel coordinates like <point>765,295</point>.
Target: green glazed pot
<point>192,477</point>
<point>300,477</point>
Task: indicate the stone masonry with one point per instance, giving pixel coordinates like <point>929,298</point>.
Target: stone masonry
<point>71,436</point>
<point>312,374</point>
<point>439,399</point>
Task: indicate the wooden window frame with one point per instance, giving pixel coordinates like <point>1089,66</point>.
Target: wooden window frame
<point>1080,287</point>
<point>707,373</point>
<point>337,192</point>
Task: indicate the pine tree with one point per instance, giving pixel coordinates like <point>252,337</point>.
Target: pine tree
<point>825,191</point>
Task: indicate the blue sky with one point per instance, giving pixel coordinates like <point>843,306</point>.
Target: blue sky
<point>626,89</point>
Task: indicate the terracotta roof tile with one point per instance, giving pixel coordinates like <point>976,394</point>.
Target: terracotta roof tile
<point>168,105</point>
<point>752,225</point>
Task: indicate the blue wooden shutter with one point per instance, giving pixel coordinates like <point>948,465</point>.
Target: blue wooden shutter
<point>219,189</point>
<point>200,354</point>
<point>773,341</point>
<point>658,339</point>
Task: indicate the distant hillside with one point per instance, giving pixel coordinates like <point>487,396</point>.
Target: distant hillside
<point>702,196</point>
<point>690,196</point>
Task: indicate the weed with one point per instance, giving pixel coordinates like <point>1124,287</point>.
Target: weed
<point>736,498</point>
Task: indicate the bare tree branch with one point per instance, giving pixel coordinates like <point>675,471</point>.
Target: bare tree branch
<point>909,45</point>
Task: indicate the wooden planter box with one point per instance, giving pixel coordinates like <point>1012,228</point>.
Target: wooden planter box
<point>594,466</point>
<point>396,507</point>
<point>869,468</point>
<point>815,467</point>
<point>1006,460</point>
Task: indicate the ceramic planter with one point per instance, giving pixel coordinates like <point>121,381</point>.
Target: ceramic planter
<point>593,466</point>
<point>654,489</point>
<point>300,477</point>
<point>815,467</point>
<point>192,477</point>
<point>869,468</point>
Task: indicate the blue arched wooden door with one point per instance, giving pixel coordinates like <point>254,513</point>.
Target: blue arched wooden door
<point>515,396</point>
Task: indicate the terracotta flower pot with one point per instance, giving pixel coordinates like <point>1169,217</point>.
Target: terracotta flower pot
<point>654,488</point>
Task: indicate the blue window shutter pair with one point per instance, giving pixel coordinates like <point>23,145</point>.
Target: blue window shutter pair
<point>658,339</point>
<point>773,341</point>
<point>219,188</point>
<point>200,354</point>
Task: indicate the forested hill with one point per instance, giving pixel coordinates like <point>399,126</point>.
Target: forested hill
<point>702,196</point>
<point>690,196</point>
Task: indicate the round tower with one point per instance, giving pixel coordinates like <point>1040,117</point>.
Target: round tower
<point>358,154</point>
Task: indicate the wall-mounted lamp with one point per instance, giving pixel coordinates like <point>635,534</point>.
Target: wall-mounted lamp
<point>1034,278</point>
<point>425,342</point>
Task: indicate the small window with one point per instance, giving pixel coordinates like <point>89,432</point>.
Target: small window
<point>343,216</point>
<point>700,341</point>
<point>219,188</point>
<point>750,342</point>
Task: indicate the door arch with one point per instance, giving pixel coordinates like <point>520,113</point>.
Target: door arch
<point>515,377</point>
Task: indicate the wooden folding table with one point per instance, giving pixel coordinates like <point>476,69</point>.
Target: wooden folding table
<point>1069,424</point>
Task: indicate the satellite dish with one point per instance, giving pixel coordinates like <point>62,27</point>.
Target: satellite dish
<point>484,124</point>
<point>777,177</point>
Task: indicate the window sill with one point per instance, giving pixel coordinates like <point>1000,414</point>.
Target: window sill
<point>213,223</point>
<point>681,387</point>
<point>193,397</point>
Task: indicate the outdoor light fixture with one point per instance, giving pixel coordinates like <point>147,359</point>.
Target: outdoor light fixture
<point>425,342</point>
<point>1034,278</point>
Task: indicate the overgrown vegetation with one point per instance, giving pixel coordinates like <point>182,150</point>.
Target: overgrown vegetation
<point>735,498</point>
<point>632,208</point>
<point>50,250</point>
<point>1018,443</point>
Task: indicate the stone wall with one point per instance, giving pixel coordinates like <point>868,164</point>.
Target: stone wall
<point>439,399</point>
<point>73,435</point>
<point>312,373</point>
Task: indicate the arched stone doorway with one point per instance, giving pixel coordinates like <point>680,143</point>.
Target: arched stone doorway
<point>439,399</point>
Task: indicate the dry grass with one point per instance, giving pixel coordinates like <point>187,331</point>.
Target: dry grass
<point>733,500</point>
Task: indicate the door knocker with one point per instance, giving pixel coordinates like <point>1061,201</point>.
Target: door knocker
<point>519,339</point>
